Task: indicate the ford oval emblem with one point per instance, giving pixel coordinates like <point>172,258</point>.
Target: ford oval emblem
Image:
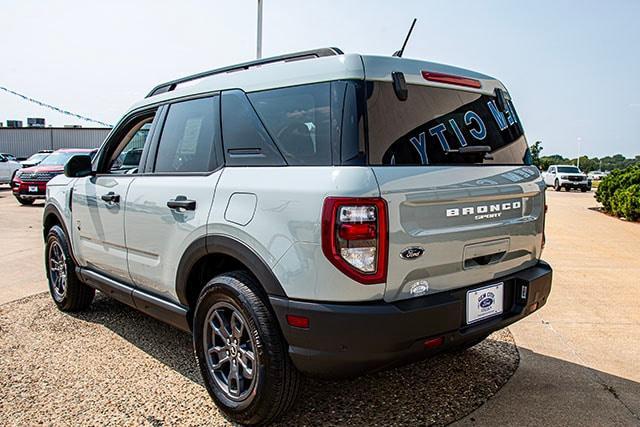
<point>486,300</point>
<point>412,252</point>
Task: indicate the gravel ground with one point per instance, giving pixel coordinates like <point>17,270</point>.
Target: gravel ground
<point>114,366</point>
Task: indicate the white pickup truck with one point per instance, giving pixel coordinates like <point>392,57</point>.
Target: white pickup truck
<point>566,176</point>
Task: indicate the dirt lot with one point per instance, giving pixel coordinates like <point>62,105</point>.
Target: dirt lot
<point>579,355</point>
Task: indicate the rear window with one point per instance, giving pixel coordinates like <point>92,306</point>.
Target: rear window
<point>434,123</point>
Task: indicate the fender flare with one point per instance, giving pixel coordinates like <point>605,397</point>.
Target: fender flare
<point>225,245</point>
<point>49,210</point>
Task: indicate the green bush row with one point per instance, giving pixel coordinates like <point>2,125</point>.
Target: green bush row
<point>619,193</point>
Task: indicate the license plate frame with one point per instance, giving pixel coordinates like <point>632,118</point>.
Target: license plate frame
<point>484,302</point>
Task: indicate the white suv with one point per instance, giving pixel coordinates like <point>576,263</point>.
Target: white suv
<point>315,213</point>
<point>567,177</point>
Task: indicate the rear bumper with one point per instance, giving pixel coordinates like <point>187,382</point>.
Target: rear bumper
<point>351,339</point>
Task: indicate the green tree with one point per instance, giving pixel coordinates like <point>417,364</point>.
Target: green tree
<point>535,150</point>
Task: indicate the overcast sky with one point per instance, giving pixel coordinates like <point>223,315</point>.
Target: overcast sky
<point>572,68</point>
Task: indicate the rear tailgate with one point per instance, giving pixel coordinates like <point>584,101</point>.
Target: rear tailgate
<point>474,224</point>
<point>465,205</point>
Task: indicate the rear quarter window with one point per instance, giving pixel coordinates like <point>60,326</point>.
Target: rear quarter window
<point>298,119</point>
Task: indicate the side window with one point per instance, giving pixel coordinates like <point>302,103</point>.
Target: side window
<point>552,170</point>
<point>188,136</point>
<point>298,118</point>
<point>126,155</point>
<point>246,141</point>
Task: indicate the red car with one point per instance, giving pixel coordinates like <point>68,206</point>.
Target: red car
<point>29,184</point>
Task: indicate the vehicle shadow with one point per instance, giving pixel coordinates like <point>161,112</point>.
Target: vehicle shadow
<point>438,390</point>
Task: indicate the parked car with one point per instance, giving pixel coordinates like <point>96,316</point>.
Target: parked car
<point>36,158</point>
<point>315,213</point>
<point>8,167</point>
<point>29,184</point>
<point>567,177</point>
<point>597,175</point>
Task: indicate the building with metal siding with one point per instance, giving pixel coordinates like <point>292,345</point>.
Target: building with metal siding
<point>23,142</point>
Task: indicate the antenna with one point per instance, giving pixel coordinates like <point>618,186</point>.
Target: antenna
<point>401,51</point>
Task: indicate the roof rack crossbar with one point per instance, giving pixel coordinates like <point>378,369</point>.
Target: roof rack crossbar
<point>296,56</point>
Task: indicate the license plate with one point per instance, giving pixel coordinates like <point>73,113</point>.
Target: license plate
<point>33,189</point>
<point>485,302</point>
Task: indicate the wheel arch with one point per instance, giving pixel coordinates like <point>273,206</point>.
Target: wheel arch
<point>214,254</point>
<point>52,216</point>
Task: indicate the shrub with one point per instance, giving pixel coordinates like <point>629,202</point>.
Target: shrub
<point>619,193</point>
<point>626,202</point>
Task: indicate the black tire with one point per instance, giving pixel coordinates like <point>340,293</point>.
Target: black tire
<point>556,186</point>
<point>26,202</point>
<point>74,295</point>
<point>275,382</point>
<point>584,190</point>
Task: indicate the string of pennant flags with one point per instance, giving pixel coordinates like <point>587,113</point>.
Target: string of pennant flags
<point>54,108</point>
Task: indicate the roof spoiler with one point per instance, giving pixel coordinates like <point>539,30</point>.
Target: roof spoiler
<point>296,56</point>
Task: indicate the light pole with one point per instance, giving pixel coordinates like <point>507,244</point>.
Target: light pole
<point>259,40</point>
<point>578,161</point>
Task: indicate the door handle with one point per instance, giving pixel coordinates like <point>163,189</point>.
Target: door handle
<point>111,197</point>
<point>181,203</point>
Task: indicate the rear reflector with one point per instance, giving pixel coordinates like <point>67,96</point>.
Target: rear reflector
<point>434,342</point>
<point>298,321</point>
<point>451,79</point>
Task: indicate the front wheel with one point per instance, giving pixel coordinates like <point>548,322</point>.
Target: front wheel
<point>556,186</point>
<point>67,290</point>
<point>242,355</point>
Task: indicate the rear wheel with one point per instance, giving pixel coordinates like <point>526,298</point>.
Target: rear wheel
<point>25,202</point>
<point>242,355</point>
<point>66,289</point>
<point>556,186</point>
<point>583,189</point>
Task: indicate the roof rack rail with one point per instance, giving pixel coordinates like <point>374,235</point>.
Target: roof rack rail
<point>296,56</point>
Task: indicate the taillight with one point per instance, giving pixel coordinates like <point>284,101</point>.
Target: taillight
<point>354,237</point>
<point>451,79</point>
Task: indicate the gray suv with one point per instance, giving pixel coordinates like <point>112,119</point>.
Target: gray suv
<point>320,213</point>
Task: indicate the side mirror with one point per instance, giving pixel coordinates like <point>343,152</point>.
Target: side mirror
<point>78,166</point>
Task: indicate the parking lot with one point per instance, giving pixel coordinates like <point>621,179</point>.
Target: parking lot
<point>579,356</point>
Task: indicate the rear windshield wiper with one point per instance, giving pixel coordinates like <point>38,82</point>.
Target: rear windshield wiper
<point>473,149</point>
<point>470,149</point>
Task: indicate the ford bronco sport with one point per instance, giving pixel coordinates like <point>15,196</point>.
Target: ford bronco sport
<point>319,213</point>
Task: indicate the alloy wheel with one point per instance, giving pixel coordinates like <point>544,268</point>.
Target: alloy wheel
<point>230,351</point>
<point>57,270</point>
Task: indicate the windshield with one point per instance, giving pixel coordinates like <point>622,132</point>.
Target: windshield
<point>568,169</point>
<point>435,126</point>
<point>59,158</point>
<point>37,157</point>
